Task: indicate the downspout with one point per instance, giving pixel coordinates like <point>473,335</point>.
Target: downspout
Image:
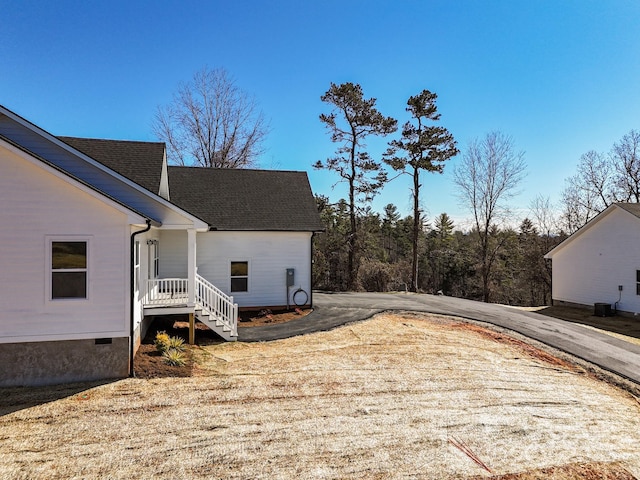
<point>132,293</point>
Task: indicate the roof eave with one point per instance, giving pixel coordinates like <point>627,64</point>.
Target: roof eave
<point>594,221</point>
<point>154,222</point>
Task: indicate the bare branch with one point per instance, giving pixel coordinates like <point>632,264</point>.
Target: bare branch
<point>211,123</point>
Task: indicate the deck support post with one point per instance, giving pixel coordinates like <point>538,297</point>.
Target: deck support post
<point>192,329</point>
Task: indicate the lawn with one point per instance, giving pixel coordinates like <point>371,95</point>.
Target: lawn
<point>397,396</point>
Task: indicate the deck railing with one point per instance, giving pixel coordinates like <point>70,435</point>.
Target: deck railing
<point>167,291</point>
<point>217,303</point>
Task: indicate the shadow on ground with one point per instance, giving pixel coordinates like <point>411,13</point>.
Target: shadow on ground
<point>13,399</point>
<point>628,326</point>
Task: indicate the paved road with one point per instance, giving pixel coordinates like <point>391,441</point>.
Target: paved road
<point>334,309</point>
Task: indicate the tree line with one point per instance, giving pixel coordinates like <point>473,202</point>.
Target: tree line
<point>212,123</point>
<point>450,260</point>
<point>493,261</point>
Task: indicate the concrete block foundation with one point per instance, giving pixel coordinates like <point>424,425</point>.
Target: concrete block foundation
<point>50,363</point>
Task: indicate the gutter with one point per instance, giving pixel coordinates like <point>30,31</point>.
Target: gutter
<point>132,294</point>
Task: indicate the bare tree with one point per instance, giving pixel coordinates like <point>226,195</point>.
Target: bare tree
<point>588,192</point>
<point>601,180</point>
<point>625,157</point>
<point>544,215</point>
<point>487,177</point>
<point>211,123</point>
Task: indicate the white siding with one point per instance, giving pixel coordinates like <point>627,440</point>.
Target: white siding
<point>35,205</point>
<point>174,251</point>
<point>269,255</point>
<point>138,308</point>
<point>592,265</point>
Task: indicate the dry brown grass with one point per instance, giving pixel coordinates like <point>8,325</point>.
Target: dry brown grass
<point>377,399</point>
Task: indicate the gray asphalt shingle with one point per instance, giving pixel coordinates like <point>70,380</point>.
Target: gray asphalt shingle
<point>140,162</point>
<point>227,199</point>
<point>234,199</point>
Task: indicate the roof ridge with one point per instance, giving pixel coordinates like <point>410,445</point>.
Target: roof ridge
<point>62,137</point>
<point>257,170</point>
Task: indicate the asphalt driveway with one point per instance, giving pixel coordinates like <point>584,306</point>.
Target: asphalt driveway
<point>335,309</point>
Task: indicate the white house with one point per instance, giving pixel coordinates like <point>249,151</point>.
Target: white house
<point>600,263</point>
<point>98,236</point>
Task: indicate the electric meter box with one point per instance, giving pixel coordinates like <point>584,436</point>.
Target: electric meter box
<point>290,277</point>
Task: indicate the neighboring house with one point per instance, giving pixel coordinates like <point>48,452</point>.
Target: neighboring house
<point>99,236</point>
<point>600,263</point>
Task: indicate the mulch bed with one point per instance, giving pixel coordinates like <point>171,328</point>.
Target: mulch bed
<point>150,364</point>
<point>252,318</point>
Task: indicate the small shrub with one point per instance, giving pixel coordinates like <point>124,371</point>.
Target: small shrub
<point>174,357</point>
<point>176,343</point>
<point>161,342</point>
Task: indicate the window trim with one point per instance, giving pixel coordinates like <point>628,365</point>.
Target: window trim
<point>247,276</point>
<point>153,267</point>
<point>49,241</point>
<point>136,266</point>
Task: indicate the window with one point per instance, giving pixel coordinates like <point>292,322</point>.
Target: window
<point>136,266</point>
<point>239,276</point>
<point>154,258</point>
<point>68,269</point>
<point>637,282</point>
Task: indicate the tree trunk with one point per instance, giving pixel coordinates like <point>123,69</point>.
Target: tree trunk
<point>352,241</point>
<point>416,229</point>
<point>486,266</point>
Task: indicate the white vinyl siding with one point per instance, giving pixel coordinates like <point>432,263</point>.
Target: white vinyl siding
<point>269,255</point>
<point>36,207</point>
<point>173,254</point>
<point>590,267</point>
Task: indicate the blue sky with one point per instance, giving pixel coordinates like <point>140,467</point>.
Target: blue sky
<point>561,77</point>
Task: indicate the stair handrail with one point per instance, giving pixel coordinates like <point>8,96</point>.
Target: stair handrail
<point>215,301</point>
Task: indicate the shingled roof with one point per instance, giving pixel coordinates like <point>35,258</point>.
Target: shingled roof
<point>632,208</point>
<point>233,199</point>
<point>140,162</point>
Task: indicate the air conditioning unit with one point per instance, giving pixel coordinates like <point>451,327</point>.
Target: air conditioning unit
<point>602,310</point>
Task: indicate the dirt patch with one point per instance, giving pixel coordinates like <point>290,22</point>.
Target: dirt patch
<point>252,318</point>
<point>587,471</point>
<point>389,397</point>
<point>523,346</point>
<point>150,364</point>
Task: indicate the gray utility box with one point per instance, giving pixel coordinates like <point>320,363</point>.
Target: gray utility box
<point>291,277</point>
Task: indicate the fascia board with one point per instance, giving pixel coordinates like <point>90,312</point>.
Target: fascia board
<point>592,223</point>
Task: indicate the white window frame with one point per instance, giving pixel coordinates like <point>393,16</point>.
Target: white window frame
<point>49,241</point>
<point>136,266</point>
<point>247,276</point>
<point>154,259</point>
